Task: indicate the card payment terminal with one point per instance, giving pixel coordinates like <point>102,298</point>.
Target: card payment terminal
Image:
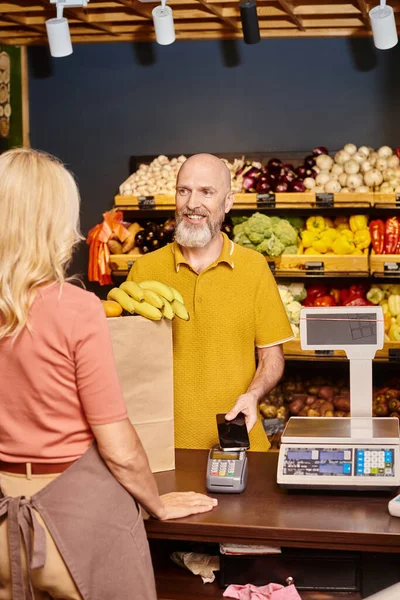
<point>226,471</point>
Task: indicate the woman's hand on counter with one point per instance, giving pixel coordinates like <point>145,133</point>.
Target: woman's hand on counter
<point>183,504</point>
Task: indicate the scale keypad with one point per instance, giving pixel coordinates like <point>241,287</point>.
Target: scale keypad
<point>371,462</point>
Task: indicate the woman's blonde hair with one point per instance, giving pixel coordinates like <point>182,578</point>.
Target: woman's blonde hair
<point>39,228</point>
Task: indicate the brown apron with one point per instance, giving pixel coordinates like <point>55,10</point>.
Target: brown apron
<point>96,526</point>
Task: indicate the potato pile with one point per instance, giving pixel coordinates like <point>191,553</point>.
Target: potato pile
<point>315,397</point>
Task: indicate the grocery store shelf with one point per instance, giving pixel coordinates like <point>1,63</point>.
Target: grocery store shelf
<point>285,266</point>
<point>255,201</point>
<point>122,263</point>
<point>384,265</point>
<point>292,350</point>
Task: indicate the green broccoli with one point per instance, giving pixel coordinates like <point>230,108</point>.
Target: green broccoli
<point>275,221</point>
<point>271,246</point>
<point>244,241</point>
<point>285,233</point>
<point>290,250</point>
<point>239,220</point>
<point>259,224</point>
<point>255,238</point>
<point>238,229</point>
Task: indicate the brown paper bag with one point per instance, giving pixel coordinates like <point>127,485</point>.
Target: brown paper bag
<point>143,353</point>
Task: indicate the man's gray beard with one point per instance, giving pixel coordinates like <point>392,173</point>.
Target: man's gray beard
<point>192,237</point>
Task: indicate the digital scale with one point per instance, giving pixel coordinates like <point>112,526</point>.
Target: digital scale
<point>226,471</point>
<point>357,453</point>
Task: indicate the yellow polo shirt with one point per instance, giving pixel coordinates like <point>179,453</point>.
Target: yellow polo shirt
<point>234,305</point>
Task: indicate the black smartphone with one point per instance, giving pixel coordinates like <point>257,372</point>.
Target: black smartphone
<point>233,434</point>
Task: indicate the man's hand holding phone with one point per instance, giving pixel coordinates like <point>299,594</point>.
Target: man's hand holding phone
<point>248,405</point>
<point>233,433</point>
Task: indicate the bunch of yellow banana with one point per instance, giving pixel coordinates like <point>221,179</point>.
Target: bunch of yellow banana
<point>150,299</point>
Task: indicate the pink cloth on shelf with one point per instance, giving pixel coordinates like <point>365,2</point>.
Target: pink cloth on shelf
<point>272,591</point>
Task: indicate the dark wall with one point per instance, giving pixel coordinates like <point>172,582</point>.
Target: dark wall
<point>107,102</point>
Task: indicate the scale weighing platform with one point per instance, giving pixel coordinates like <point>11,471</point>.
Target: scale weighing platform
<point>356,453</point>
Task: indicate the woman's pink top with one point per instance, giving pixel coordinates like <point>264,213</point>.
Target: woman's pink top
<point>57,378</point>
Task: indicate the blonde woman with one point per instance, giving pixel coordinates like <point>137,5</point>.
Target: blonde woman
<point>72,469</point>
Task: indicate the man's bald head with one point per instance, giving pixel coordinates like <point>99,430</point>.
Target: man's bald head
<point>203,197</point>
<point>211,168</point>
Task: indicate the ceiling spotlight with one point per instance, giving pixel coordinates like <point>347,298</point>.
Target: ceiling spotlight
<point>58,29</point>
<point>248,15</point>
<point>163,24</point>
<point>383,25</point>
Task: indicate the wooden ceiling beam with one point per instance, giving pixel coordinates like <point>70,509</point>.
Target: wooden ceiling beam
<point>288,8</point>
<point>17,20</point>
<point>362,5</point>
<point>136,7</point>
<point>218,13</point>
<point>81,16</point>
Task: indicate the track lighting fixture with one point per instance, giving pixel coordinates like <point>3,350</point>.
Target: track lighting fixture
<point>58,29</point>
<point>163,24</point>
<point>248,15</point>
<point>383,25</point>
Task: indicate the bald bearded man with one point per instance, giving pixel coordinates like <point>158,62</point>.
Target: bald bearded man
<point>234,306</point>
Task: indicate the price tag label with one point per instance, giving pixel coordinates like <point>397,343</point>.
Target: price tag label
<point>397,199</point>
<point>392,267</point>
<point>323,352</point>
<point>266,200</point>
<point>313,267</point>
<point>325,200</point>
<point>146,202</point>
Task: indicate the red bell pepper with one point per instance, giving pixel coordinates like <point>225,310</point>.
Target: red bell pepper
<point>377,231</point>
<point>397,152</point>
<point>343,296</point>
<point>357,290</point>
<point>392,233</point>
<point>327,300</point>
<point>308,302</point>
<point>358,302</point>
<point>318,289</point>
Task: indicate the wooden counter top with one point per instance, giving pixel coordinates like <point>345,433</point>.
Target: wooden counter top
<point>264,513</point>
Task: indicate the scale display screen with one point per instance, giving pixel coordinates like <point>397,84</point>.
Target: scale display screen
<point>342,329</point>
<point>324,455</point>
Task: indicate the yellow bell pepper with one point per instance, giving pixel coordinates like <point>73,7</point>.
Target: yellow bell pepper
<point>311,251</point>
<point>308,237</point>
<point>394,305</point>
<point>387,322</point>
<point>349,235</point>
<point>358,222</point>
<point>362,238</point>
<point>315,223</point>
<point>332,233</point>
<point>357,252</point>
<point>394,332</point>
<point>343,246</point>
<point>322,245</point>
